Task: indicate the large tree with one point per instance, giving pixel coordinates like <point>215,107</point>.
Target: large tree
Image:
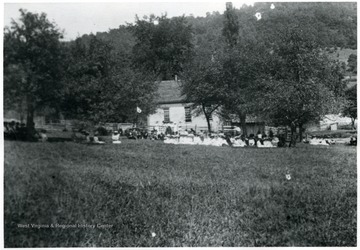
<point>350,108</point>
<point>274,66</point>
<point>221,75</point>
<point>32,64</point>
<point>101,86</point>
<point>162,45</point>
<point>240,69</point>
<point>231,26</point>
<point>352,64</point>
<point>242,62</point>
<point>302,84</point>
<point>201,75</point>
<point>202,85</point>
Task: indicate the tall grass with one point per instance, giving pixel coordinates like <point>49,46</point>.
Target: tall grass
<point>185,195</point>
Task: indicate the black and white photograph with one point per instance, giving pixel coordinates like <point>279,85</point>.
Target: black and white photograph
<point>179,124</point>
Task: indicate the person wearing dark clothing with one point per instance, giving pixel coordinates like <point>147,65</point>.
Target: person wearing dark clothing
<point>227,138</point>
<point>17,126</point>
<point>282,141</point>
<point>271,134</point>
<point>133,135</point>
<point>245,139</point>
<point>144,134</point>
<point>293,140</point>
<point>168,131</point>
<point>161,136</point>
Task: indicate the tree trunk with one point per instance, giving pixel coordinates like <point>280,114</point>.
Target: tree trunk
<point>21,110</point>
<point>242,117</point>
<point>207,116</point>
<point>208,122</point>
<point>30,125</point>
<point>135,124</point>
<point>353,123</point>
<point>293,137</point>
<point>300,132</point>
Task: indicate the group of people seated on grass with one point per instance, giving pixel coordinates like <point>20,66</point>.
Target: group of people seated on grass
<point>89,139</point>
<point>319,141</point>
<point>261,140</point>
<point>14,131</point>
<point>353,140</point>
<point>136,134</point>
<point>191,137</point>
<point>18,131</point>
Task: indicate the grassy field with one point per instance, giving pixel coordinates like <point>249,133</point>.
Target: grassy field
<point>179,195</point>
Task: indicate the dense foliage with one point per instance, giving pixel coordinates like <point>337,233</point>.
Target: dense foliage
<point>275,67</point>
<point>102,87</point>
<point>33,68</point>
<point>162,45</point>
<point>302,84</point>
<point>230,63</point>
<point>352,63</point>
<point>350,108</point>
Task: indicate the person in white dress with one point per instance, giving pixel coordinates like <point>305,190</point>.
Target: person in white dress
<point>275,141</point>
<point>96,140</point>
<point>268,144</point>
<point>318,141</point>
<point>238,143</point>
<point>251,142</point>
<point>116,138</point>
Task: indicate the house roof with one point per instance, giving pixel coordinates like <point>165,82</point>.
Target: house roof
<point>170,92</point>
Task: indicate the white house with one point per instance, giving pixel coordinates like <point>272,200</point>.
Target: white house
<point>175,111</point>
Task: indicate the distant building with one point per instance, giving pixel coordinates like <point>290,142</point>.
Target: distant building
<point>334,121</point>
<point>330,122</point>
<point>41,120</point>
<point>253,124</point>
<point>174,110</point>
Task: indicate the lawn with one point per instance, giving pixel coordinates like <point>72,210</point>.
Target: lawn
<point>153,194</point>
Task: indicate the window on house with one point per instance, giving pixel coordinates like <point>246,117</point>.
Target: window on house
<point>166,115</point>
<point>187,114</point>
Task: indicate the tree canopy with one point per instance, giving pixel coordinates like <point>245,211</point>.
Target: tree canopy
<point>33,69</point>
<point>352,63</point>
<point>302,84</point>
<point>275,66</point>
<point>101,85</point>
<point>350,109</point>
<point>162,44</point>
